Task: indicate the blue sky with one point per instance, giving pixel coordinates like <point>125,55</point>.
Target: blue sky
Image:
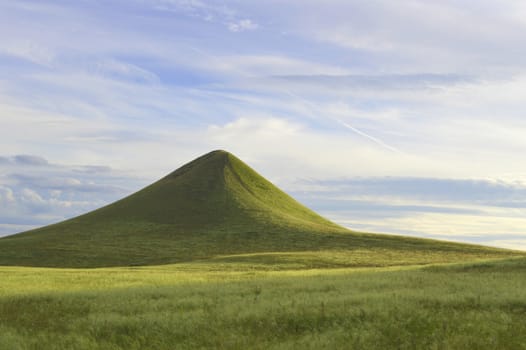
<point>404,117</point>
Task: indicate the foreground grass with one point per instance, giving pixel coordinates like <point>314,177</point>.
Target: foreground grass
<point>232,306</point>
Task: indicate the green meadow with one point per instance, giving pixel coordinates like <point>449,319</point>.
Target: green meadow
<point>233,306</point>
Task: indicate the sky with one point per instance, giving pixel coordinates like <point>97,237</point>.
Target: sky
<point>404,117</point>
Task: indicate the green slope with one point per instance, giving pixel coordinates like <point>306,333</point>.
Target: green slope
<point>215,207</point>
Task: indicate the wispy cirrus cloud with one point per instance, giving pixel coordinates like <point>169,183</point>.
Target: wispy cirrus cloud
<point>430,189</point>
<point>209,11</point>
<point>242,25</point>
<point>411,82</point>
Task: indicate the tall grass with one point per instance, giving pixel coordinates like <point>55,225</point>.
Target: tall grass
<point>467,306</point>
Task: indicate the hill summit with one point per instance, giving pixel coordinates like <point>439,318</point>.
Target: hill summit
<point>211,207</point>
<point>216,191</point>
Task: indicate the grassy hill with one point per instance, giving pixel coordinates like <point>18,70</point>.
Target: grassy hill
<point>246,266</point>
<point>217,208</point>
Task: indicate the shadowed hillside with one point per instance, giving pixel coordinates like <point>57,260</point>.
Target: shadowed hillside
<point>218,208</point>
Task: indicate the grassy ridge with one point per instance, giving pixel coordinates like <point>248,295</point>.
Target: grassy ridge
<point>187,306</point>
<point>211,208</point>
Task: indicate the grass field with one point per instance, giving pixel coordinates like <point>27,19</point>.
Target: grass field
<point>234,306</point>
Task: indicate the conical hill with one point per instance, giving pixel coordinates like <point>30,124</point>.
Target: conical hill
<point>213,206</point>
<point>214,192</point>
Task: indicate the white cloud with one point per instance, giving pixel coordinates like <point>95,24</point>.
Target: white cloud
<point>261,127</point>
<point>121,70</point>
<point>6,195</point>
<point>242,25</point>
<point>251,66</point>
<point>208,12</point>
<point>31,197</point>
<point>438,225</point>
<point>30,51</point>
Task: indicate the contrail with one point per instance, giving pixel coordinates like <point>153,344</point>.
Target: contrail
<point>372,138</point>
<point>348,126</point>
